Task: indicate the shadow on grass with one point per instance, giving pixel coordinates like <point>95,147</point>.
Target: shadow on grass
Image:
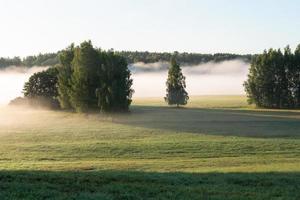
<point>144,185</point>
<point>215,121</point>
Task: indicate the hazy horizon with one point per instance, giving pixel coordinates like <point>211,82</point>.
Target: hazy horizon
<point>224,78</point>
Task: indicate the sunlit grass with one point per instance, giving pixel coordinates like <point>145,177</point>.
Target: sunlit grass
<point>219,134</point>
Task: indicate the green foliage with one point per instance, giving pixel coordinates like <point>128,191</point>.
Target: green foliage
<point>47,59</point>
<point>85,79</point>
<point>273,80</point>
<point>52,59</point>
<point>294,77</point>
<point>42,84</point>
<point>6,62</point>
<point>114,93</point>
<point>79,94</point>
<point>186,58</point>
<point>176,93</point>
<point>91,78</point>
<point>42,87</point>
<point>64,76</point>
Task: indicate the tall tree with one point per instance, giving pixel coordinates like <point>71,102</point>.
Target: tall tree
<point>64,76</point>
<point>114,93</point>
<point>79,84</point>
<point>176,93</point>
<point>296,76</point>
<point>289,75</point>
<point>84,78</point>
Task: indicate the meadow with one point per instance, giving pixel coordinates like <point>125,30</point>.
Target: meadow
<point>217,147</point>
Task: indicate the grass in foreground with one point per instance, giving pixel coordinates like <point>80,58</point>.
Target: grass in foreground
<point>214,150</point>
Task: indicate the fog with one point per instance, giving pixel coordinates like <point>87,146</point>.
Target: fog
<point>225,78</point>
<point>149,79</point>
<point>12,80</point>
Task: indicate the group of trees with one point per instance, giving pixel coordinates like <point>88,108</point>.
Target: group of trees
<point>274,79</point>
<point>52,59</point>
<point>6,62</point>
<point>47,59</point>
<point>184,58</point>
<point>90,78</point>
<point>86,78</point>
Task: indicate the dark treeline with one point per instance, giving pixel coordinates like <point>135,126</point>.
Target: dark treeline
<point>274,79</point>
<point>51,59</point>
<point>183,58</point>
<point>48,59</point>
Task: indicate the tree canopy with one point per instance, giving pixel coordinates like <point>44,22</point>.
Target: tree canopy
<point>274,79</point>
<point>41,88</point>
<point>90,78</point>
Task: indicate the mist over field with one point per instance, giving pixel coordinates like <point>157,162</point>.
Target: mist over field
<point>12,80</point>
<point>149,79</point>
<point>224,78</point>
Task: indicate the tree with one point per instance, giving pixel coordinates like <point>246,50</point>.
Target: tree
<point>79,94</point>
<point>289,74</point>
<point>176,93</point>
<point>296,76</point>
<point>114,93</point>
<point>64,76</point>
<point>41,88</point>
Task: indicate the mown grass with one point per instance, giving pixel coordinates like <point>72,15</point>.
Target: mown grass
<point>221,149</point>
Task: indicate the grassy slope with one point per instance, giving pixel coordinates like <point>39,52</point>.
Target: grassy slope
<point>217,147</point>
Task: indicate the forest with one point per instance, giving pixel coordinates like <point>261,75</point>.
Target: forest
<point>51,59</point>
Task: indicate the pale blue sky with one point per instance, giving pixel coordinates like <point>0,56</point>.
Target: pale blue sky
<point>204,26</point>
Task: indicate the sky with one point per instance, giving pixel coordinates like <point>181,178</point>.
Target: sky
<point>203,26</point>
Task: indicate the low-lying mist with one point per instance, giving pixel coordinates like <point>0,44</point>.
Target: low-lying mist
<point>224,78</point>
<point>149,79</point>
<point>12,80</point>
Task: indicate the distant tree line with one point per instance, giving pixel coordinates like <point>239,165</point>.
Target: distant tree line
<point>274,79</point>
<point>183,58</point>
<point>48,59</point>
<point>51,59</point>
<point>86,78</point>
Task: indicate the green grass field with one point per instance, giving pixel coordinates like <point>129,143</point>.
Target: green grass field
<point>217,147</point>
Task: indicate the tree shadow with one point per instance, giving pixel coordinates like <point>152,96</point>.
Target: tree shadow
<point>250,123</point>
<point>147,185</point>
